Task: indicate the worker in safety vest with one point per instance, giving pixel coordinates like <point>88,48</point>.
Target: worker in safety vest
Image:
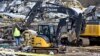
<point>17,34</point>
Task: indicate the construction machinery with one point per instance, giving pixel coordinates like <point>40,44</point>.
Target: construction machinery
<point>78,30</point>
<point>90,36</point>
<point>48,35</point>
<point>73,22</point>
<point>91,31</point>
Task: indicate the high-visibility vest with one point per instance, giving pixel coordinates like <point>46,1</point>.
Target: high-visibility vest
<point>16,32</point>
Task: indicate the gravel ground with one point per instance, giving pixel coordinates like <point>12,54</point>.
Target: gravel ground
<point>73,51</point>
<point>82,51</point>
<point>79,54</point>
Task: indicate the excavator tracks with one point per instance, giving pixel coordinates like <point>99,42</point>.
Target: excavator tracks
<point>49,50</point>
<point>45,50</point>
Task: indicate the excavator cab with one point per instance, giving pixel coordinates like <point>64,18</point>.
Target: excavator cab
<point>47,30</point>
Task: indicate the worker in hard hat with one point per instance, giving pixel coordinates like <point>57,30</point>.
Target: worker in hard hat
<point>17,34</point>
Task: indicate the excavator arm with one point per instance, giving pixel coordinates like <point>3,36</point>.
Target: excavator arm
<point>76,24</point>
<point>33,13</point>
<point>50,7</point>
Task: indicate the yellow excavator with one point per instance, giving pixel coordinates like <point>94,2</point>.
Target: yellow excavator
<point>91,31</point>
<point>48,37</point>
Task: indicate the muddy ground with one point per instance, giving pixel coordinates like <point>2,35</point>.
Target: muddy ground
<point>81,51</point>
